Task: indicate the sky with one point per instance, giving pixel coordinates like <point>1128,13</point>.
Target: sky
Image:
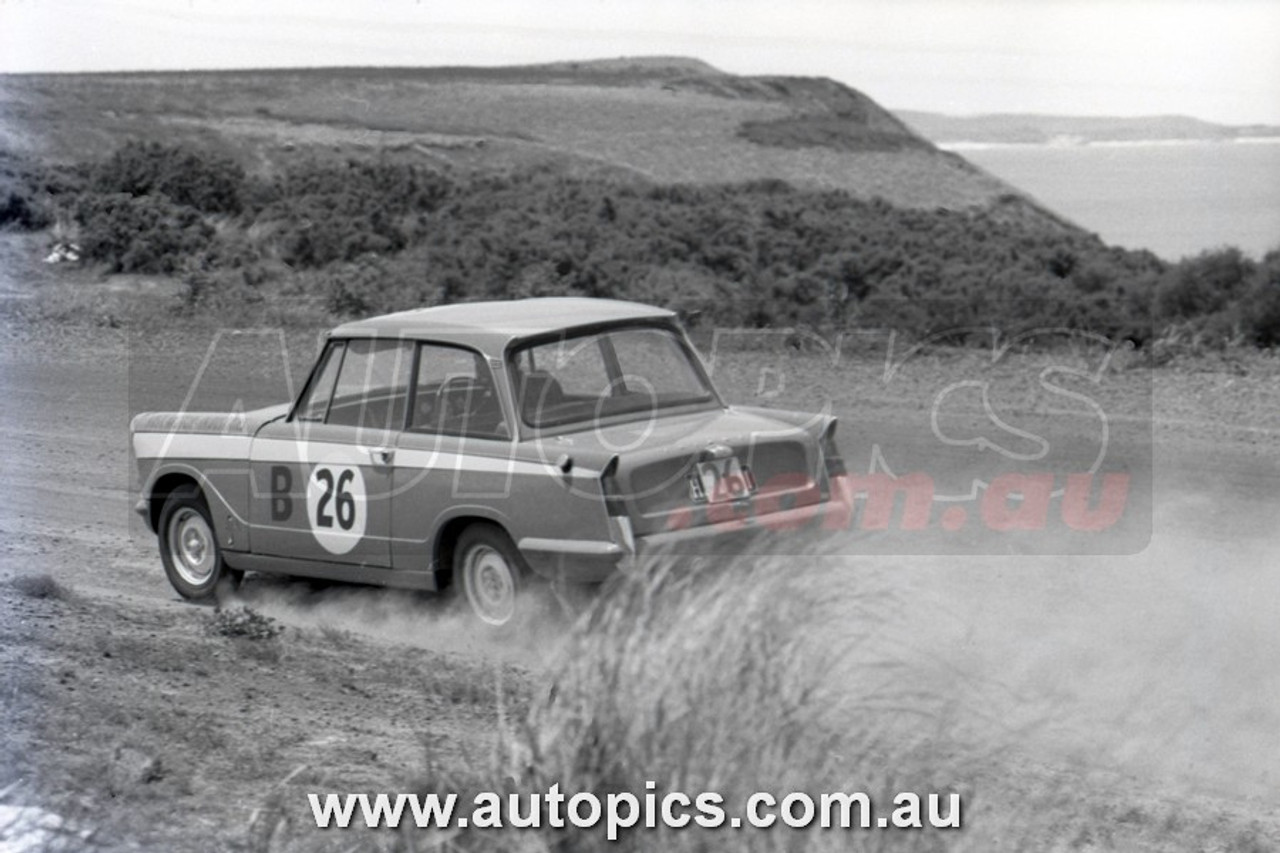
<point>1217,61</point>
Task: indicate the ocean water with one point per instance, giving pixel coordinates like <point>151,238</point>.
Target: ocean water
<point>1175,199</point>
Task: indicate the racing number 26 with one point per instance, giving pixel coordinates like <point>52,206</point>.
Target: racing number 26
<point>335,493</point>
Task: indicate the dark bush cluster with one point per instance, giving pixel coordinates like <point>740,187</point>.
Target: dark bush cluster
<point>765,254</point>
<point>186,176</point>
<point>147,234</point>
<point>372,235</point>
<point>322,213</point>
<point>28,192</point>
<point>1222,295</point>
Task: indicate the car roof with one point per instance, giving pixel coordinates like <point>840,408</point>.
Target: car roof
<point>491,326</point>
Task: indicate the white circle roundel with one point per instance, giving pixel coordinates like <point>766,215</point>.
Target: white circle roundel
<point>336,507</point>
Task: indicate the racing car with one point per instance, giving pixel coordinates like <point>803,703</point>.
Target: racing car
<point>481,446</point>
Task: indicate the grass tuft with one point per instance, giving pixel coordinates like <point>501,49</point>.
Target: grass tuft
<point>244,623</point>
<point>760,677</point>
<point>41,586</point>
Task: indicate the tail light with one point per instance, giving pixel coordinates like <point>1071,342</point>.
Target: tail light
<point>830,452</point>
<point>614,503</point>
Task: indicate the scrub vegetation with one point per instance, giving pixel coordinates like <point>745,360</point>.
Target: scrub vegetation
<point>358,236</point>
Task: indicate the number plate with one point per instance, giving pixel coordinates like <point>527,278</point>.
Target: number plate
<point>721,480</point>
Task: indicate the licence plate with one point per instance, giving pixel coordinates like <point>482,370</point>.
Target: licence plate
<point>721,480</point>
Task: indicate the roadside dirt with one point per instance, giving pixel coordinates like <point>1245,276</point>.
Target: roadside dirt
<point>128,716</point>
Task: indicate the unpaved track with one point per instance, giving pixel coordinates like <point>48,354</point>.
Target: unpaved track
<point>1161,666</point>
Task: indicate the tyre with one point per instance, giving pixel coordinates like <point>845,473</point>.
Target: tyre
<point>189,546</point>
<point>491,571</point>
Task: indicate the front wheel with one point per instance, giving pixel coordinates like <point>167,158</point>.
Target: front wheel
<point>492,572</point>
<point>189,546</point>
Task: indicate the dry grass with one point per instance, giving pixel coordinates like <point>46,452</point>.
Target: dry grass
<point>735,679</point>
<point>40,585</point>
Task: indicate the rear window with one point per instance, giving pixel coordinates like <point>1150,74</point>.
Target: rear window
<point>633,370</point>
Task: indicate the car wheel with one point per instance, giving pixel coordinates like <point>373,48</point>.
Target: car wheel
<point>492,572</point>
<point>189,546</point>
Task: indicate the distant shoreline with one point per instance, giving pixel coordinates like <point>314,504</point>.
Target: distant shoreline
<point>970,145</point>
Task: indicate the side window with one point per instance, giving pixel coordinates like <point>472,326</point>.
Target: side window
<point>456,394</point>
<point>316,402</point>
<point>373,385</point>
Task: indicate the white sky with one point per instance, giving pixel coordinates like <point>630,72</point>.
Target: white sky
<point>1214,60</point>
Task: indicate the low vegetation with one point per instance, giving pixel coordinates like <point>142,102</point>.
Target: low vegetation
<point>683,682</point>
<point>39,585</point>
<point>245,622</point>
<point>361,236</point>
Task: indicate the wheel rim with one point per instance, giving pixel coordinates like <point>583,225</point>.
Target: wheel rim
<point>192,546</point>
<point>490,584</point>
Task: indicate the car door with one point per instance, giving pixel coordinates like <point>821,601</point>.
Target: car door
<point>322,478</point>
<point>455,457</point>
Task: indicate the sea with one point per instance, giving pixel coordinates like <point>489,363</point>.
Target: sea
<point>1173,198</point>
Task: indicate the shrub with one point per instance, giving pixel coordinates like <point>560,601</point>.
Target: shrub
<point>29,191</point>
<point>140,234</point>
<point>1204,284</point>
<point>1261,307</point>
<point>22,212</point>
<point>327,213</point>
<point>186,176</point>
<point>376,285</point>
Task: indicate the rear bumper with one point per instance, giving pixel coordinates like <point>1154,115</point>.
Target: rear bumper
<point>773,532</point>
<point>593,561</point>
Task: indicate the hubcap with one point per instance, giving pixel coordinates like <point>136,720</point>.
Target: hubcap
<point>192,546</point>
<point>491,589</point>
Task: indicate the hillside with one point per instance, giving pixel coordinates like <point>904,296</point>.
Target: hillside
<point>1032,129</point>
<point>301,196</point>
<point>660,119</point>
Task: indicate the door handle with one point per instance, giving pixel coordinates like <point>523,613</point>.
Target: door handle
<point>382,455</point>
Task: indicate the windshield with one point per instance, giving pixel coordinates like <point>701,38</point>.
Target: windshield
<point>607,374</point>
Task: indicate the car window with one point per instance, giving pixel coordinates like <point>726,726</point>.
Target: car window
<point>619,372</point>
<point>576,364</point>
<point>316,400</point>
<point>651,359</point>
<point>456,395</point>
<point>372,385</point>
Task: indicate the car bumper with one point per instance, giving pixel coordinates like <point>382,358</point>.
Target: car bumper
<point>594,561</point>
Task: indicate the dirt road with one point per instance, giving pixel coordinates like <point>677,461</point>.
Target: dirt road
<point>1154,661</point>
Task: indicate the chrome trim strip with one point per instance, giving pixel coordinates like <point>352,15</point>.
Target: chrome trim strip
<point>582,547</point>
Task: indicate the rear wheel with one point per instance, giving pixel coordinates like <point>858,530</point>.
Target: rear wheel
<point>491,571</point>
<point>189,546</point>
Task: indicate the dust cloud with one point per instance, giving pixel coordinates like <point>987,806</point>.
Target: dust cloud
<point>1161,669</point>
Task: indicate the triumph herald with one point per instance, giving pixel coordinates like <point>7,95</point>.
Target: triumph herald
<point>482,446</point>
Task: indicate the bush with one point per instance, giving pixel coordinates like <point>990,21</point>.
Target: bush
<point>29,192</point>
<point>332,213</point>
<point>186,176</point>
<point>1204,284</point>
<point>140,234</point>
<point>1262,305</point>
<point>369,236</point>
<point>375,285</point>
<point>21,212</point>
